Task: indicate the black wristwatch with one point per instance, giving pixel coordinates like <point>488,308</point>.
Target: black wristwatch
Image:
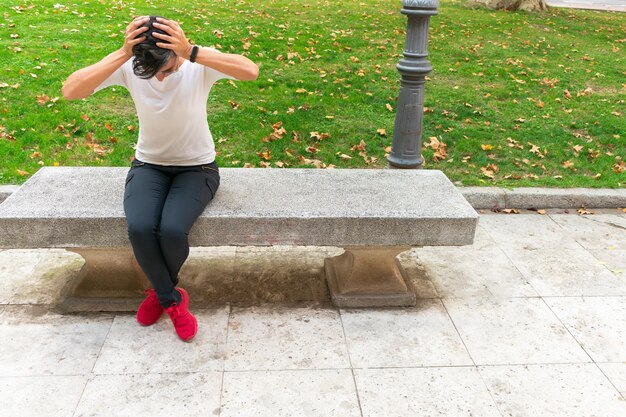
<point>194,53</point>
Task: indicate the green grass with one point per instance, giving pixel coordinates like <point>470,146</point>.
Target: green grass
<point>499,83</point>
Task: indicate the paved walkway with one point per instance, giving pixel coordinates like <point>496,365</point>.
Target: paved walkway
<point>529,321</point>
<point>609,5</point>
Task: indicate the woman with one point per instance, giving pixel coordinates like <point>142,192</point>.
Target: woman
<point>174,175</point>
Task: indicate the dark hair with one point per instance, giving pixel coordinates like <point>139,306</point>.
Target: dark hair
<point>148,57</point>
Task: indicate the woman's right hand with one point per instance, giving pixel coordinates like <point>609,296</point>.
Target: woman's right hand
<point>133,30</point>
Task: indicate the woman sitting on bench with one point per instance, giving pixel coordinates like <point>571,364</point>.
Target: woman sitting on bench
<point>173,175</point>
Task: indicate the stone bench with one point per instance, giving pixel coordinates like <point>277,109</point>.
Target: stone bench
<point>372,214</point>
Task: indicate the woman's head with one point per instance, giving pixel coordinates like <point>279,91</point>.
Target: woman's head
<point>148,57</point>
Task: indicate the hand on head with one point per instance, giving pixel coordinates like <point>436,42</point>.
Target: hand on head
<point>132,35</point>
<point>174,39</point>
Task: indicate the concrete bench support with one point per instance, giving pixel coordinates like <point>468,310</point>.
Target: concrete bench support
<point>359,277</point>
<point>108,274</point>
<point>369,277</point>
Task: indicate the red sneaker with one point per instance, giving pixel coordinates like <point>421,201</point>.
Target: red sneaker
<point>150,310</point>
<point>185,323</point>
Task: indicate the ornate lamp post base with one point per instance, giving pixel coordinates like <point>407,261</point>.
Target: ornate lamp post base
<point>406,149</point>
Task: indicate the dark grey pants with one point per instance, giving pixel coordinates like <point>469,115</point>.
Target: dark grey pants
<point>161,204</point>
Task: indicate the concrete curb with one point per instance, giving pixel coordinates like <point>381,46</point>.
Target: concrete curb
<point>6,191</point>
<point>543,198</point>
<point>519,198</point>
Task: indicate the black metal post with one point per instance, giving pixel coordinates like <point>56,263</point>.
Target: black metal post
<point>406,148</point>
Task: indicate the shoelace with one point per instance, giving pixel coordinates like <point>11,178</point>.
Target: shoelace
<point>174,312</point>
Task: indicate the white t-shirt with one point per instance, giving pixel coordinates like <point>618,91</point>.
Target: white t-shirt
<point>173,127</point>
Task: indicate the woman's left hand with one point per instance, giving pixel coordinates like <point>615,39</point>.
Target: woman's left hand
<point>175,38</point>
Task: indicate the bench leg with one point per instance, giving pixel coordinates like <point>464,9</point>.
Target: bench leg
<point>111,280</point>
<point>369,277</point>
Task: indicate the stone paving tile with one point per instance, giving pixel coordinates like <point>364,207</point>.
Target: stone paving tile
<point>572,390</point>
<point>450,392</point>
<point>413,270</point>
<point>36,276</point>
<point>421,336</point>
<point>527,231</point>
<point>290,394</point>
<point>465,273</point>
<point>49,396</point>
<point>598,323</point>
<point>132,348</point>
<point>274,338</point>
<point>582,273</point>
<point>613,259</point>
<point>599,231</point>
<point>150,395</point>
<point>616,373</point>
<point>15,265</point>
<point>513,331</point>
<point>37,343</point>
<point>281,273</point>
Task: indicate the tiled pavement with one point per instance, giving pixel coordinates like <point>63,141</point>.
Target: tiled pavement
<point>528,321</point>
<point>606,5</point>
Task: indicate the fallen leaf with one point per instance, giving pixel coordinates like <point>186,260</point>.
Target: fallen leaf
<point>535,149</point>
<point>550,83</point>
<point>389,107</point>
<point>381,132</point>
<point>42,99</point>
<point>360,147</point>
<point>319,136</point>
<point>97,148</point>
<point>489,173</point>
